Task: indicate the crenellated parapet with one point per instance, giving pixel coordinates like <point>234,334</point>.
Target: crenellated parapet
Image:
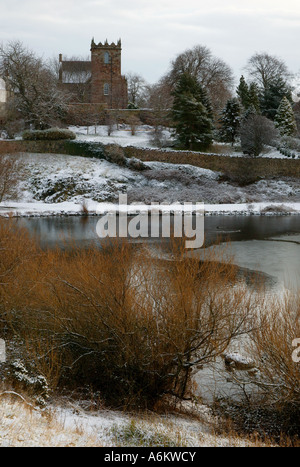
<point>105,45</point>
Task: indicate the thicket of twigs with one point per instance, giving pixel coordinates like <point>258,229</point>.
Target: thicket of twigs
<point>116,318</point>
<point>9,169</point>
<point>134,327</point>
<point>273,409</point>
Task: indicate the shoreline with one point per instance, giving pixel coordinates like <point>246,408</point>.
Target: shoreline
<point>39,209</point>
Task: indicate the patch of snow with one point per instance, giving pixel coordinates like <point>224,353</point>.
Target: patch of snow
<point>143,138</point>
<point>35,209</point>
<point>121,136</point>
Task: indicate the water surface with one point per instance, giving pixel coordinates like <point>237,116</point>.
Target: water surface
<point>268,244</point>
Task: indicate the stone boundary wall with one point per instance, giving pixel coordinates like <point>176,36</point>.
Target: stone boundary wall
<point>264,167</point>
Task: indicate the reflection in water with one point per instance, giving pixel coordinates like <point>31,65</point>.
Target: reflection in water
<point>269,244</point>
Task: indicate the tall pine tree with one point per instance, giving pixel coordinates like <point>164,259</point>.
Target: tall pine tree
<point>285,118</point>
<point>253,97</point>
<point>192,113</point>
<point>243,92</point>
<point>272,96</point>
<point>230,120</point>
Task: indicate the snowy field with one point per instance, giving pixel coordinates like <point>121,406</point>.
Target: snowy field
<point>121,136</point>
<point>144,139</point>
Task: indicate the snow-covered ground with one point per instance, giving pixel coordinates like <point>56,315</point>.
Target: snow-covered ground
<point>122,136</point>
<point>21,209</point>
<point>143,138</point>
<point>70,425</point>
<point>55,184</point>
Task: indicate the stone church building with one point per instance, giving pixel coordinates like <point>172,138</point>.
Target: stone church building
<point>96,81</point>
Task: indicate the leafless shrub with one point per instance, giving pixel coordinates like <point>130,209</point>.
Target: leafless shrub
<point>133,122</point>
<point>9,170</point>
<point>273,347</point>
<point>110,122</point>
<point>13,125</point>
<point>136,164</point>
<point>116,319</point>
<point>273,408</point>
<point>256,131</point>
<point>16,252</point>
<point>84,207</point>
<point>158,137</point>
<point>115,154</point>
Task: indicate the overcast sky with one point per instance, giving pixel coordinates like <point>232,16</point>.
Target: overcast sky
<point>153,32</point>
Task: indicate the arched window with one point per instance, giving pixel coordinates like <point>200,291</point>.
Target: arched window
<point>106,89</point>
<point>106,58</point>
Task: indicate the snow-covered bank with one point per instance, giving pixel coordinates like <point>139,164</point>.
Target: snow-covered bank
<point>36,209</point>
<point>57,184</point>
<point>72,426</point>
<point>263,208</point>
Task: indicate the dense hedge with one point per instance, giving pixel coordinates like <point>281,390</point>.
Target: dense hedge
<point>49,134</point>
<point>84,149</point>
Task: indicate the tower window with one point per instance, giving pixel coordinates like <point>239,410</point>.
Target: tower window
<point>106,89</point>
<point>106,58</point>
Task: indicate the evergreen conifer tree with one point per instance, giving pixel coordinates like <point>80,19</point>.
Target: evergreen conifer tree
<point>272,96</point>
<point>285,118</point>
<point>230,120</point>
<point>243,93</point>
<point>192,113</point>
<point>253,97</point>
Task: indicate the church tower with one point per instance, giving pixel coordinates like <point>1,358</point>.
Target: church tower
<point>107,83</point>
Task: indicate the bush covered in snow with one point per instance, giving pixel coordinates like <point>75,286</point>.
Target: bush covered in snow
<point>29,380</point>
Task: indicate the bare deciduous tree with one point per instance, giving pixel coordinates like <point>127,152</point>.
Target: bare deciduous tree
<point>160,101</point>
<point>256,131</point>
<point>36,97</point>
<point>264,69</point>
<point>211,72</point>
<point>136,88</point>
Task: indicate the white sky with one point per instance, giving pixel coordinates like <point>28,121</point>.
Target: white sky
<point>153,32</point>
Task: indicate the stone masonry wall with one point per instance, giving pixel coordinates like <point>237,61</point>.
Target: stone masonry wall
<point>264,167</point>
